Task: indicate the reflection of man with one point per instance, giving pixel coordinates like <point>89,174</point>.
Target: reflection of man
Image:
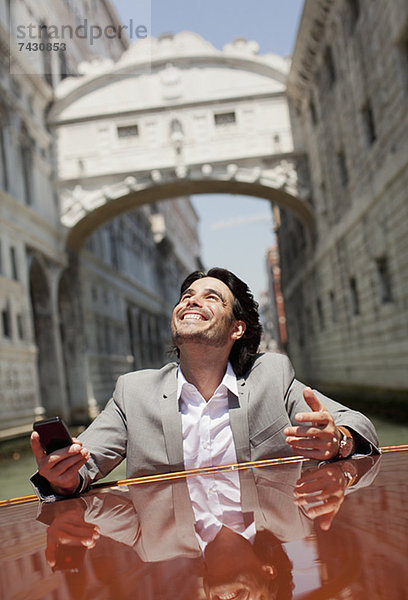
<point>223,404</point>
<point>225,531</point>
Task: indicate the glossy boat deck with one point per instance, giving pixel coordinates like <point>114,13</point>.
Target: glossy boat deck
<point>275,529</point>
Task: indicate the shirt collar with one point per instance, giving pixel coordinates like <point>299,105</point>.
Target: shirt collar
<point>229,380</point>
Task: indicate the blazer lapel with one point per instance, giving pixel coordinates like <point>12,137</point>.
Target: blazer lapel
<point>171,421</point>
<point>238,413</point>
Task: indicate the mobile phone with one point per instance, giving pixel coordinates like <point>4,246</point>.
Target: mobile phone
<point>69,558</point>
<point>54,434</point>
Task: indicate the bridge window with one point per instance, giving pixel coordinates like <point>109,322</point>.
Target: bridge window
<point>127,131</point>
<point>226,118</point>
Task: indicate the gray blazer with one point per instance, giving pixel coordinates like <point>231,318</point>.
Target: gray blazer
<point>142,421</point>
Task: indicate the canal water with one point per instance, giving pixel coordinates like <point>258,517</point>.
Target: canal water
<point>17,463</point>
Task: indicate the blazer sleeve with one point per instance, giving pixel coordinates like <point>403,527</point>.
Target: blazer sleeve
<point>106,439</point>
<point>362,428</point>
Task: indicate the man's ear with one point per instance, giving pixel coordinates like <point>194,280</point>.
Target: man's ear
<point>239,330</point>
<point>270,570</point>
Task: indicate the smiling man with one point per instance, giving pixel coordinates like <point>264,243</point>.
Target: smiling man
<point>223,403</point>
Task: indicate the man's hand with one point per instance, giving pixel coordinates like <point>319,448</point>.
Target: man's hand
<point>61,467</point>
<point>320,438</point>
<point>320,491</point>
<point>70,529</point>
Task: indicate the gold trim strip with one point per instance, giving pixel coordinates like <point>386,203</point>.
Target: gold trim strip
<point>195,472</point>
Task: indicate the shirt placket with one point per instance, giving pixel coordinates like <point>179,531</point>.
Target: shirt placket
<point>205,436</point>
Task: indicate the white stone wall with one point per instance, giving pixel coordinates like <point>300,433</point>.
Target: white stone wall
<point>361,221</point>
<point>63,369</point>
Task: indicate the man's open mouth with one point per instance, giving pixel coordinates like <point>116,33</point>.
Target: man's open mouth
<point>193,316</point>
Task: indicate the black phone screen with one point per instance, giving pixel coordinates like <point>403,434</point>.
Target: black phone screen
<point>54,434</point>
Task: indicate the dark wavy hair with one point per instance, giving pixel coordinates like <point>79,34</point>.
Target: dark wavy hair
<point>269,550</point>
<point>244,308</point>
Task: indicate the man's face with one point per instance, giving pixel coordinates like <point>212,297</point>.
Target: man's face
<point>204,315</point>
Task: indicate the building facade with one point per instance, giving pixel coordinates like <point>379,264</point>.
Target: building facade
<point>275,297</point>
<point>71,322</point>
<point>346,290</point>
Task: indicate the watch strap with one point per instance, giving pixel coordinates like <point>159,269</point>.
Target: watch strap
<point>346,445</point>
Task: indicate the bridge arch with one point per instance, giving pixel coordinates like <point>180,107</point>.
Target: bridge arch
<point>112,203</point>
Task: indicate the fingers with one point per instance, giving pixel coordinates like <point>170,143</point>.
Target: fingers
<point>325,521</point>
<point>309,440</point>
<point>320,414</point>
<point>320,493</point>
<point>312,444</point>
<point>58,466</point>
<point>315,418</point>
<point>50,552</point>
<point>312,401</point>
<point>324,512</point>
<point>69,529</point>
<point>86,534</point>
<point>307,432</point>
<point>36,447</point>
<point>317,438</point>
<point>61,467</point>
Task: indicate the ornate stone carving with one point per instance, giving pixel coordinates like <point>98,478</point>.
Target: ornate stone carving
<point>171,82</point>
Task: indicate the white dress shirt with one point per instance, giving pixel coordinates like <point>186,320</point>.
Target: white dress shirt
<point>207,434</point>
<point>208,441</point>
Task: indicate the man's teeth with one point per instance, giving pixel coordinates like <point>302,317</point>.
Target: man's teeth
<point>195,317</point>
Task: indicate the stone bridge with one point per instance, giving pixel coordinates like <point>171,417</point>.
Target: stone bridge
<point>174,117</point>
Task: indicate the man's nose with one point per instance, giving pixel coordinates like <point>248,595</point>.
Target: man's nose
<point>194,301</point>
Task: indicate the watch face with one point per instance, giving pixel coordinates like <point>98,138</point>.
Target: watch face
<point>346,446</point>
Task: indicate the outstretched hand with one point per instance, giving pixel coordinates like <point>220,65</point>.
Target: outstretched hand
<point>320,491</point>
<point>61,467</point>
<point>318,437</point>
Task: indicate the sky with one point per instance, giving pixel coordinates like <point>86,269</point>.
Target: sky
<point>235,231</point>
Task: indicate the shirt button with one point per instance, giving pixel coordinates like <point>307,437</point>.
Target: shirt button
<point>205,445</point>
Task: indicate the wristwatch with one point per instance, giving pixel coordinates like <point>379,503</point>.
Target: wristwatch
<point>346,445</point>
<point>349,471</point>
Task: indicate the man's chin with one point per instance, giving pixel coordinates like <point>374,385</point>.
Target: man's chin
<point>196,338</point>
